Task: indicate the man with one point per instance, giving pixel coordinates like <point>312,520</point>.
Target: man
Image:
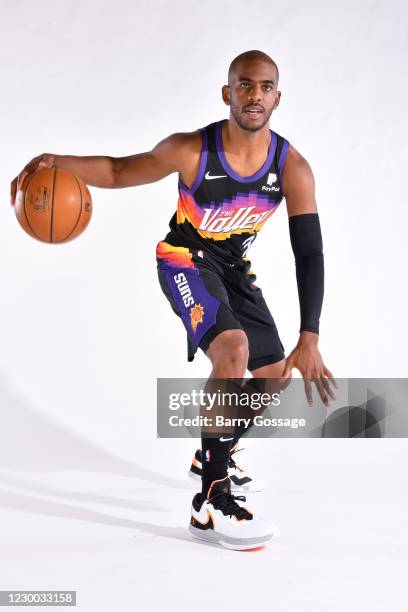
<point>232,176</point>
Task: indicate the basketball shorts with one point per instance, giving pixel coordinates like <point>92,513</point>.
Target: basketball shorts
<point>211,296</point>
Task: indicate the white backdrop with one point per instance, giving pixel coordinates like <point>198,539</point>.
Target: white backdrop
<point>84,327</point>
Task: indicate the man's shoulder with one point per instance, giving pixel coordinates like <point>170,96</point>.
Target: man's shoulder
<point>189,143</point>
<point>298,175</point>
<point>184,149</point>
<point>194,137</point>
<point>185,141</point>
<point>297,161</point>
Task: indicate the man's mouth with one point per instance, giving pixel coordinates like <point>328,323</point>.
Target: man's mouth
<point>253,111</point>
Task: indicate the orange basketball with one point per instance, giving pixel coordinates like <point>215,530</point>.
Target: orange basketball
<point>53,205</point>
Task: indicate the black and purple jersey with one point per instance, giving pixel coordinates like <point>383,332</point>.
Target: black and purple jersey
<point>201,263</point>
<point>223,212</point>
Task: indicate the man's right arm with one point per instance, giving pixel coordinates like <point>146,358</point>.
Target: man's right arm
<point>176,153</point>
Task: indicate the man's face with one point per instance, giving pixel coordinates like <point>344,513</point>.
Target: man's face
<point>252,93</point>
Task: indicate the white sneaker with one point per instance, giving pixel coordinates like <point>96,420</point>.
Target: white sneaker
<point>220,518</point>
<point>241,481</point>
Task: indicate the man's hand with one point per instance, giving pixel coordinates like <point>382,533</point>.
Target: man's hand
<point>45,160</point>
<point>307,359</point>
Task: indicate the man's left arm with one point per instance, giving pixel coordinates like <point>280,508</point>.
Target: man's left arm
<point>307,245</point>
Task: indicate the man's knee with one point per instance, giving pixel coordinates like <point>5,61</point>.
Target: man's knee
<point>230,351</point>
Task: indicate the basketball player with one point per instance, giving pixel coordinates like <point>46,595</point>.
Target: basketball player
<point>233,175</point>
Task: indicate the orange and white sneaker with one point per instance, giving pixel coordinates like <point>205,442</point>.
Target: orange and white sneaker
<point>221,519</point>
<point>241,481</point>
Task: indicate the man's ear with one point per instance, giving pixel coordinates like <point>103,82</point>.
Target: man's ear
<point>226,94</point>
<point>277,101</point>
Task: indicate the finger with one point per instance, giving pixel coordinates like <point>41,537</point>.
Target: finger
<point>321,390</point>
<point>330,377</point>
<point>287,372</point>
<point>20,179</point>
<point>328,389</point>
<point>308,391</point>
<point>49,161</point>
<point>13,189</point>
<point>28,169</point>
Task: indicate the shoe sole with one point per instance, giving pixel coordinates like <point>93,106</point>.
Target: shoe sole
<point>257,488</point>
<point>232,543</point>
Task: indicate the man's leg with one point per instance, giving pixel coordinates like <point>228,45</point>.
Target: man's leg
<point>273,370</point>
<point>270,375</point>
<point>228,353</point>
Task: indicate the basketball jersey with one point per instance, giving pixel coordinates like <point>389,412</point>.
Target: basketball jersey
<point>223,212</point>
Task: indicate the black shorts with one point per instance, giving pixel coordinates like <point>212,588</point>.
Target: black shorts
<point>212,296</point>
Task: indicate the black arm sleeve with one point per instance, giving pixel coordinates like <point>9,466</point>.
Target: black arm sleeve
<point>307,245</point>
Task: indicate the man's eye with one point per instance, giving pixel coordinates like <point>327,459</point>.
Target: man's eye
<point>268,87</point>
<point>244,85</point>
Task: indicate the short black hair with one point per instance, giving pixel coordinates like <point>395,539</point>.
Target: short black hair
<point>254,54</point>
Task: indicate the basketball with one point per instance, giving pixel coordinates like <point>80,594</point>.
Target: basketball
<point>53,205</point>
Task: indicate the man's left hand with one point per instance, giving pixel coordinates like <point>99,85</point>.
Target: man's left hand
<point>306,358</point>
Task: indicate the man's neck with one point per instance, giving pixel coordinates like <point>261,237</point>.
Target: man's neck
<point>246,141</point>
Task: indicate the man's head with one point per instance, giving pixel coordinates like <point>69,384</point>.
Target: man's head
<point>252,90</point>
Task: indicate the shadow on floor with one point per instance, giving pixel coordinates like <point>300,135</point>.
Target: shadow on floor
<point>33,442</point>
<point>25,503</point>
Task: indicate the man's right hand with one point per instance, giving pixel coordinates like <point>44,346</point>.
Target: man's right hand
<point>45,160</point>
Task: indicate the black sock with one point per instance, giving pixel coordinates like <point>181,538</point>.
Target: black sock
<point>215,458</point>
<point>244,411</point>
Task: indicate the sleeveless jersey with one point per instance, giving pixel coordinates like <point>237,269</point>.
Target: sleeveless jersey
<point>223,212</point>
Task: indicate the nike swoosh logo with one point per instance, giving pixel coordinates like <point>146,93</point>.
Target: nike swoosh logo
<point>209,176</point>
<point>225,439</point>
<point>209,524</point>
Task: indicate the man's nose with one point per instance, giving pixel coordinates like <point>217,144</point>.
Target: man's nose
<point>255,95</point>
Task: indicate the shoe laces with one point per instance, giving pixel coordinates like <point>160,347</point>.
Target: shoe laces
<point>232,463</point>
<point>228,506</point>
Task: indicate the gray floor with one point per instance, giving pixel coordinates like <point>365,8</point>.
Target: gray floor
<point>115,531</point>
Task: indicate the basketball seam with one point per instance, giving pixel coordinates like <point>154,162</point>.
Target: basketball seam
<point>52,203</point>
<point>25,212</point>
<point>80,211</point>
